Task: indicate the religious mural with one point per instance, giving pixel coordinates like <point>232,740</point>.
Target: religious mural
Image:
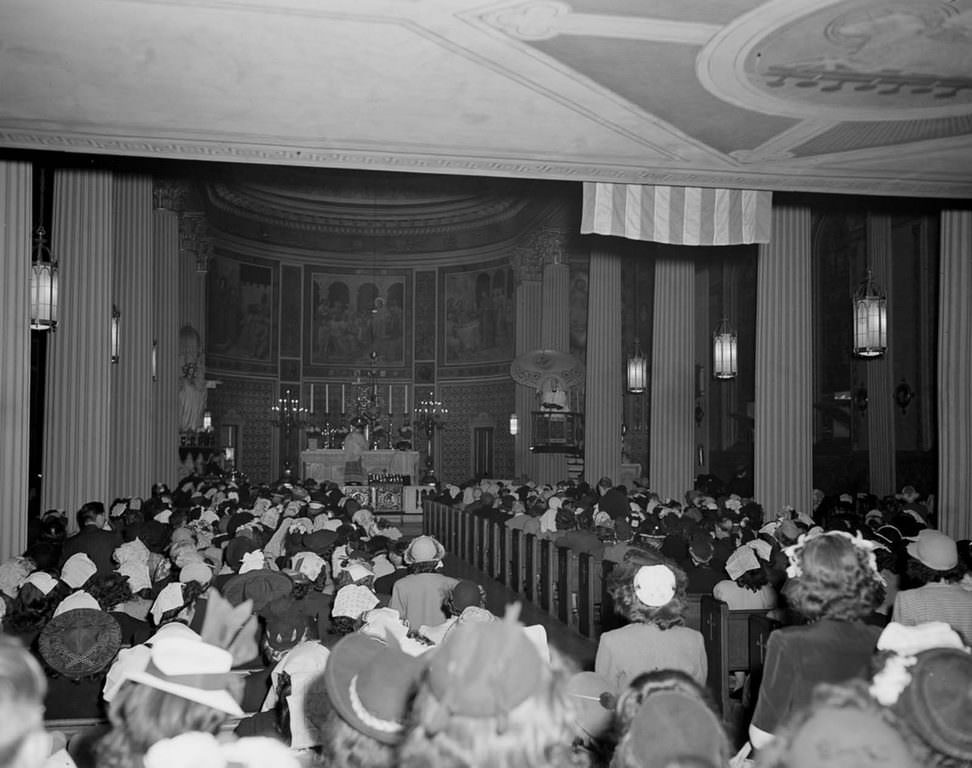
<point>479,314</point>
<point>241,320</point>
<point>355,314</point>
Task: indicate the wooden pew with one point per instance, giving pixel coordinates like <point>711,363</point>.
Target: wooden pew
<point>727,645</point>
<point>515,581</point>
<point>587,591</point>
<point>531,561</point>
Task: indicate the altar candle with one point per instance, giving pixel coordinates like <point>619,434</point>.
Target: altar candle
<point>311,411</point>
<point>389,399</point>
<point>342,399</point>
<point>327,398</point>
<point>405,404</point>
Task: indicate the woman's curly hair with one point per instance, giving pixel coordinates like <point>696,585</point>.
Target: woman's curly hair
<point>621,588</point>
<point>836,581</point>
<point>920,574</point>
<point>110,590</point>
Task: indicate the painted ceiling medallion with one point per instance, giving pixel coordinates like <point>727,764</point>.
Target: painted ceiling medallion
<point>857,59</point>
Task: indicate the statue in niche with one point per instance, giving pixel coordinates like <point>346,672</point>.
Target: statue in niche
<point>553,393</point>
<point>192,381</point>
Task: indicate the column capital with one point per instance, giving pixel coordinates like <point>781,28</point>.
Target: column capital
<point>170,194</point>
<point>527,264</point>
<point>195,238</point>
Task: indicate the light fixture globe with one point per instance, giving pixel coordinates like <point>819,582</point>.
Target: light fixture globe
<point>870,320</point>
<point>43,285</point>
<point>637,371</point>
<point>724,349</point>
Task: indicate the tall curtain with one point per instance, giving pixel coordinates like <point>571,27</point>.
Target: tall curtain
<point>784,395</point>
<point>16,189</point>
<point>955,376</point>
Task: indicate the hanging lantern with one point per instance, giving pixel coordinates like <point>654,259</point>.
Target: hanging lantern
<point>514,425</point>
<point>115,321</point>
<point>870,320</point>
<point>724,351</point>
<point>637,371</point>
<point>43,285</point>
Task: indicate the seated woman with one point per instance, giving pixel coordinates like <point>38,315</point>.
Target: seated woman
<point>649,590</point>
<point>833,584</point>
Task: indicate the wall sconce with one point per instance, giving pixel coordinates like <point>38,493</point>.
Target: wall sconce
<point>637,371</point>
<point>155,359</point>
<point>115,320</point>
<point>903,395</point>
<point>43,284</point>
<point>724,352</point>
<point>870,320</point>
<point>514,425</point>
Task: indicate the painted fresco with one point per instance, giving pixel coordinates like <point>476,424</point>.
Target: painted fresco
<point>355,314</point>
<point>479,315</point>
<point>241,317</point>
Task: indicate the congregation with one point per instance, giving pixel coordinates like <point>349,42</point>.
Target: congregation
<point>228,624</point>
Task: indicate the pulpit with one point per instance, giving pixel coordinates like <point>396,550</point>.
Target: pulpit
<point>327,464</point>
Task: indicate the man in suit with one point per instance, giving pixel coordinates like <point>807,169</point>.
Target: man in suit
<point>92,539</point>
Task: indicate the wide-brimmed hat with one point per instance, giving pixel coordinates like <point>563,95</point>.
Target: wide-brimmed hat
<point>935,550</point>
<point>370,685</point>
<point>485,670</point>
<point>937,703</point>
<point>80,643</point>
<point>424,549</point>
<point>193,670</point>
<point>261,586</point>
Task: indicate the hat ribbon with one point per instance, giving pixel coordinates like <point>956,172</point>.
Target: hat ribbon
<point>372,721</point>
<point>203,681</point>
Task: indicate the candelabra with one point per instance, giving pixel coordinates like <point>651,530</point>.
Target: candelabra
<point>289,412</point>
<point>430,415</point>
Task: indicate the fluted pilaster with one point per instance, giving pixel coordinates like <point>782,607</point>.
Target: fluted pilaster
<point>77,426</point>
<point>133,292</point>
<point>165,331</point>
<point>955,375</point>
<point>671,454</point>
<point>554,334</point>
<point>880,408</point>
<point>16,185</point>
<point>602,409</point>
<point>529,295</point>
<point>784,399</point>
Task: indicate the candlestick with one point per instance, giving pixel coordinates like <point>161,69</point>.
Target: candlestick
<point>342,399</point>
<point>327,398</point>
<point>389,399</point>
<point>311,399</point>
<point>405,404</point>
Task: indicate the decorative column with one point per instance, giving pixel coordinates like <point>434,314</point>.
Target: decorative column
<point>77,424</point>
<point>784,400</point>
<point>955,375</point>
<point>133,292</point>
<point>16,190</point>
<point>195,254</point>
<point>603,406</point>
<point>164,438</point>
<point>555,328</point>
<point>529,296</point>
<point>881,449</point>
<point>671,454</point>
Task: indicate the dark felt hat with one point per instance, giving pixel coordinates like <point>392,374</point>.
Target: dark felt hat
<point>370,685</point>
<point>938,701</point>
<point>261,586</point>
<point>80,643</point>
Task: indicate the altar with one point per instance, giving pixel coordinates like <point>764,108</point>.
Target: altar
<point>327,464</point>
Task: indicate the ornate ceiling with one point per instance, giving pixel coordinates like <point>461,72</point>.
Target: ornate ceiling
<point>862,96</point>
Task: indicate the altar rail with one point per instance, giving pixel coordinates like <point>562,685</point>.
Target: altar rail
<point>572,587</point>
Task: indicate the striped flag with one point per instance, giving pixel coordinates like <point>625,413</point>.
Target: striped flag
<point>677,215</point>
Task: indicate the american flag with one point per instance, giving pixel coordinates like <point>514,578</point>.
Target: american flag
<point>677,215</point>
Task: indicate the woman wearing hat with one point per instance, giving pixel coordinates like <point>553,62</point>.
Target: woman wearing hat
<point>649,589</point>
<point>185,687</point>
<point>419,597</point>
<point>934,564</point>
<point>833,583</point>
